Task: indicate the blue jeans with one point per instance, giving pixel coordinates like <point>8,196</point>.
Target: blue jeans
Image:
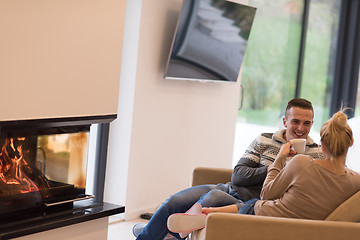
<point>207,195</point>
<point>248,207</point>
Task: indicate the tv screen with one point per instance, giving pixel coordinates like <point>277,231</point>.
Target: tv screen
<point>210,41</point>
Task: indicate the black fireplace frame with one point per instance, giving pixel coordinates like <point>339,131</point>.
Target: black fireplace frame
<point>80,211</point>
<point>68,125</point>
<point>65,123</point>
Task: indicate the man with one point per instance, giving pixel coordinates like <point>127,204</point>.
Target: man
<point>248,175</point>
<point>250,172</point>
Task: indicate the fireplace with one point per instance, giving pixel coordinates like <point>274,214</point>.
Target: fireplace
<point>43,165</point>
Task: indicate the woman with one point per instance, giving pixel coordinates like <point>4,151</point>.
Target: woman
<point>300,188</point>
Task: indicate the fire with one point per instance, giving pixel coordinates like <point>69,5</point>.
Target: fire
<point>13,166</point>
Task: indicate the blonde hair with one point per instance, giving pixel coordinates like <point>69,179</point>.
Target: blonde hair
<point>336,134</point>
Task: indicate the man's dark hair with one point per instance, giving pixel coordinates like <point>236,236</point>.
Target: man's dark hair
<point>300,103</point>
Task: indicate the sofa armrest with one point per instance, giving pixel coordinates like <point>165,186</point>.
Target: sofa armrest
<point>205,175</point>
<point>238,226</point>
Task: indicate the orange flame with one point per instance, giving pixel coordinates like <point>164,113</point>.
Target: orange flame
<point>11,163</point>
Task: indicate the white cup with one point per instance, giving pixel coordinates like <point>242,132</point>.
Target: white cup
<point>298,144</point>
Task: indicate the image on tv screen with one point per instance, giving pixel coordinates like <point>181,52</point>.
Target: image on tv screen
<point>210,40</point>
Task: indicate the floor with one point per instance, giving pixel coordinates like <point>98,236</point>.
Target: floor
<point>119,229</point>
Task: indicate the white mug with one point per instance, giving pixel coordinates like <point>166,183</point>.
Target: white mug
<point>298,144</point>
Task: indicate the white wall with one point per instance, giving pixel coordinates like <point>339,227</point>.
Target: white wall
<point>120,129</point>
<point>171,126</point>
<point>60,58</point>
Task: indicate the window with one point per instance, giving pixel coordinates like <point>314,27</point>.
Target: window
<point>319,60</point>
<point>271,64</point>
<point>357,108</point>
<point>352,160</point>
<point>269,69</point>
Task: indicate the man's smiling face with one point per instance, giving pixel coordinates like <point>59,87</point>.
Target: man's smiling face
<point>298,122</point>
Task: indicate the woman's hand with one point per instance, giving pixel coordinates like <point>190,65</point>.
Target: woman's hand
<point>284,154</point>
<point>286,150</point>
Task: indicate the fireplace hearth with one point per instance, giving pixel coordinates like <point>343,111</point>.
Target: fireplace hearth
<point>43,165</point>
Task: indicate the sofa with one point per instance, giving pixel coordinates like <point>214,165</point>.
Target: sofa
<point>341,224</point>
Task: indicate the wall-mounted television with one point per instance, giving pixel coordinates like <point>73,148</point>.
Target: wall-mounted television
<point>210,41</point>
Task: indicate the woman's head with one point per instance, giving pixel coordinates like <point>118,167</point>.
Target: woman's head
<point>336,134</point>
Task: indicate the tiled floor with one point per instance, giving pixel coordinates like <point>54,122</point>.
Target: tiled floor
<point>122,230</point>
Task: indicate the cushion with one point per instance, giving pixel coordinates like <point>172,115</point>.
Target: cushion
<point>348,211</point>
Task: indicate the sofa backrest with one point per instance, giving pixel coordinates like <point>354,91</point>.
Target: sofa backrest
<point>348,211</point>
<point>208,175</point>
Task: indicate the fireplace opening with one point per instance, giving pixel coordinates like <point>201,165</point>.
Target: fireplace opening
<point>43,165</point>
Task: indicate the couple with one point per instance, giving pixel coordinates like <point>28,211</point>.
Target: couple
<point>322,177</point>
